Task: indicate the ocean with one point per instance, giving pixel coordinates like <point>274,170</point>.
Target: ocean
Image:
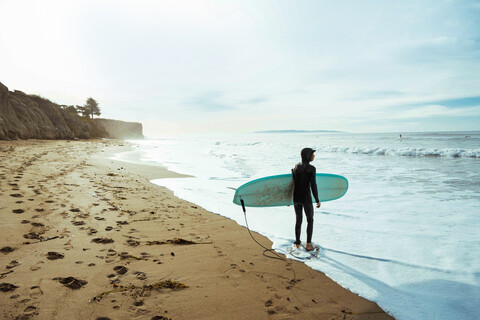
<point>407,233</point>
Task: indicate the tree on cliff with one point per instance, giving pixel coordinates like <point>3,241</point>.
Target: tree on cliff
<point>97,110</point>
<point>71,109</point>
<point>90,108</point>
<point>81,110</point>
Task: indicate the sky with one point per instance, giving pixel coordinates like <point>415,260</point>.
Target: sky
<point>240,66</point>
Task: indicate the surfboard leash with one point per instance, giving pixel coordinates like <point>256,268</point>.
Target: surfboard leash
<point>277,256</point>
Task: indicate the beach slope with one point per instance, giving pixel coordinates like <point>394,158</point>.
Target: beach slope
<point>86,237</point>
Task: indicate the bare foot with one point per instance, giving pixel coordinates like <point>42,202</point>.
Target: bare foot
<point>297,245</point>
<point>310,247</point>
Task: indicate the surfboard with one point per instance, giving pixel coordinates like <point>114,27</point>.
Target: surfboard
<point>276,191</point>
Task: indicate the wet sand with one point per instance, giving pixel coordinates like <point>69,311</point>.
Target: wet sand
<point>86,237</point>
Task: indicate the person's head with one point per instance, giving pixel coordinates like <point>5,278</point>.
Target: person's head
<point>307,155</point>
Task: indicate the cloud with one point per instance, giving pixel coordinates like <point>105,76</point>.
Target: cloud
<point>456,107</point>
<point>376,95</point>
<point>255,100</point>
<point>430,114</point>
<point>455,102</point>
<point>208,101</point>
<point>423,112</point>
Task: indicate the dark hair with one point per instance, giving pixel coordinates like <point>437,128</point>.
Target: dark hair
<point>306,154</point>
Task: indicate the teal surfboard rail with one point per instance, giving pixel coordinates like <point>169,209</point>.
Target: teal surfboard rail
<point>276,191</point>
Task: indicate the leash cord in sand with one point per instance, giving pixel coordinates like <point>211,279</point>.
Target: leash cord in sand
<point>279,257</point>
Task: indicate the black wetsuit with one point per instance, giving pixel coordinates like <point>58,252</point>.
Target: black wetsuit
<point>304,176</point>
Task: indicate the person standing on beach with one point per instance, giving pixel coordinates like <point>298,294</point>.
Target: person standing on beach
<point>304,177</point>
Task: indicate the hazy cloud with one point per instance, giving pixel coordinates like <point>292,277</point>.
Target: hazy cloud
<point>454,103</point>
<point>256,100</point>
<point>377,95</point>
<point>208,101</point>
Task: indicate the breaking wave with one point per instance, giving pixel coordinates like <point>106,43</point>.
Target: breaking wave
<point>407,152</point>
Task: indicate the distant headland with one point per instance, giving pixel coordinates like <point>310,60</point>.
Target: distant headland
<point>24,116</point>
<point>296,131</point>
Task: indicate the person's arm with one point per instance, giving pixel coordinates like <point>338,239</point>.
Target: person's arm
<point>313,184</point>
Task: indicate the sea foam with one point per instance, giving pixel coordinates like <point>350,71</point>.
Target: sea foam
<point>408,152</point>
<point>406,233</point>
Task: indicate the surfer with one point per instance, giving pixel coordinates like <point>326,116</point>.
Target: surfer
<point>304,177</point>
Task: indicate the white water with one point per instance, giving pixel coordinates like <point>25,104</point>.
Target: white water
<point>406,234</point>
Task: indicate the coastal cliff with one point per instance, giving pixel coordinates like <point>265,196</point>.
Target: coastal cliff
<point>24,116</point>
<point>120,129</point>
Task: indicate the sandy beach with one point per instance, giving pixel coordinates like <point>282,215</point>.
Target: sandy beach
<point>86,237</point>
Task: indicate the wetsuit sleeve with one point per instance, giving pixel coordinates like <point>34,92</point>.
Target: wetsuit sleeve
<point>313,184</point>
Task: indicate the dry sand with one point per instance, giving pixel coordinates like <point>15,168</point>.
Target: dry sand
<point>85,237</point>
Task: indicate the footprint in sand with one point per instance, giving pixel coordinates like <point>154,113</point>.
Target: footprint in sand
<point>71,282</point>
<point>37,266</point>
<point>68,245</point>
<point>120,269</point>
<point>65,232</point>
<point>30,311</point>
<point>35,292</point>
<point>141,275</point>
<point>6,250</point>
<point>37,224</point>
<point>160,317</point>
<point>138,303</point>
<point>12,264</point>
<point>52,255</point>
<point>7,287</point>
<point>103,240</point>
<point>145,255</point>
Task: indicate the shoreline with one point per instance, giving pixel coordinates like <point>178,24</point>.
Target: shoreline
<point>71,193</point>
<point>154,171</point>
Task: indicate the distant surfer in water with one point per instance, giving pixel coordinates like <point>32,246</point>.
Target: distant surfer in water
<point>304,177</point>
